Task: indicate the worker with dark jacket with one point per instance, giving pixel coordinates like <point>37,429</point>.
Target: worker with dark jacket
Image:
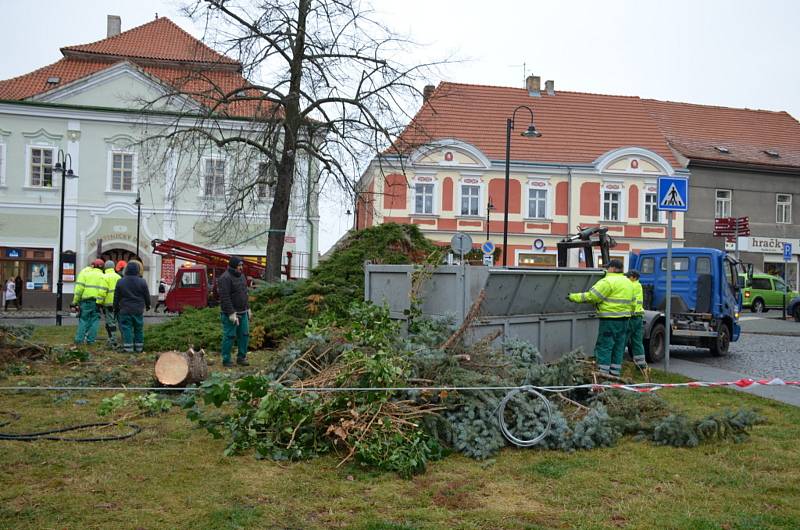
<point>131,298</point>
<point>613,297</point>
<point>235,316</point>
<point>90,292</point>
<point>636,327</point>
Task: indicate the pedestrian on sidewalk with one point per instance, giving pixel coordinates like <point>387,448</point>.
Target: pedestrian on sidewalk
<point>11,294</point>
<point>235,312</point>
<point>131,299</point>
<point>90,291</point>
<point>162,295</point>
<point>18,285</point>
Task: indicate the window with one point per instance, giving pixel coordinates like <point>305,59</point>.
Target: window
<point>122,171</point>
<point>722,206</point>
<point>703,266</point>
<point>470,199</point>
<point>678,264</point>
<point>780,286</point>
<point>42,167</point>
<point>783,208</point>
<point>651,213</point>
<point>264,181</point>
<point>537,203</point>
<point>647,266</point>
<point>423,198</point>
<point>611,205</point>
<point>761,283</point>
<point>214,177</point>
<point>190,279</point>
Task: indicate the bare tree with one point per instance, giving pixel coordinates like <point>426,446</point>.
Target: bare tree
<point>326,86</point>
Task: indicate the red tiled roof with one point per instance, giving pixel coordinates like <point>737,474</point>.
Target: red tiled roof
<point>160,49</point>
<point>576,127</point>
<point>160,39</point>
<point>697,130</point>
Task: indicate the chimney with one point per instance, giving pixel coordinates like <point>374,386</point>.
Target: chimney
<point>534,85</point>
<point>427,92</point>
<point>549,87</point>
<point>113,25</point>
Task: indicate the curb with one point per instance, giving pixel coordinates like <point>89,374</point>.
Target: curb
<point>773,333</point>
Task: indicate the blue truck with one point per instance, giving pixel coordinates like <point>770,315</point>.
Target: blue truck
<point>706,298</point>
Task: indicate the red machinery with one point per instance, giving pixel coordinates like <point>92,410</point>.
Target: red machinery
<point>193,285</point>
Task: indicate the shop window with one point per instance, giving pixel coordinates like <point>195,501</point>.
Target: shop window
<point>537,260</point>
<point>723,203</point>
<point>41,167</point>
<point>783,208</point>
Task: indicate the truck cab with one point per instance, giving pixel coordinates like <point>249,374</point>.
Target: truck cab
<point>706,299</point>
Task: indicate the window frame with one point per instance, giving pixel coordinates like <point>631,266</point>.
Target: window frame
<point>110,172</point>
<point>651,261</point>
<point>546,202</point>
<point>728,201</point>
<point>433,198</point>
<point>785,206</point>
<point>461,197</point>
<point>265,182</point>
<point>659,215</point>
<point>620,217</point>
<point>213,159</point>
<point>29,166</point>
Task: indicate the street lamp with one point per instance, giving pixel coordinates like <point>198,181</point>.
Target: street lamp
<point>138,203</point>
<point>530,132</point>
<point>61,167</point>
<point>489,208</point>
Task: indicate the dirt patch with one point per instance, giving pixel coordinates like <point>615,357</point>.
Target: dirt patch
<point>458,495</point>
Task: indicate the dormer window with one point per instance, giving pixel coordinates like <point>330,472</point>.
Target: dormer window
<point>54,80</point>
<point>722,149</point>
<point>772,153</point>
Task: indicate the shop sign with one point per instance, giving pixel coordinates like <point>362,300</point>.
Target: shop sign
<point>168,270</point>
<point>13,252</point>
<point>768,245</point>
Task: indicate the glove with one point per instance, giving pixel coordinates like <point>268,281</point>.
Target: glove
<point>233,317</point>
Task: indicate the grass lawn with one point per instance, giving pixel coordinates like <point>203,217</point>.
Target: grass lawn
<point>173,475</point>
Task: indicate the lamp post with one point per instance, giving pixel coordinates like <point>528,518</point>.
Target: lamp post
<point>489,208</point>
<point>138,203</point>
<point>61,167</point>
<point>530,132</point>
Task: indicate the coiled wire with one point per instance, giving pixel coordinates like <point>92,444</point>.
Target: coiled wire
<point>502,420</point>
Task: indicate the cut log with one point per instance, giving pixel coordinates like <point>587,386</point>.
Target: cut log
<point>174,368</point>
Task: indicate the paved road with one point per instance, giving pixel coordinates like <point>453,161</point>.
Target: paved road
<point>759,353</point>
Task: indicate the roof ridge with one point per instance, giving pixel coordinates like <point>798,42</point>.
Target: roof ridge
<point>523,89</point>
<point>706,106</point>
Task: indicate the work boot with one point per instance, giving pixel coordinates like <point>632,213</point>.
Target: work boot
<point>242,362</point>
<point>227,364</point>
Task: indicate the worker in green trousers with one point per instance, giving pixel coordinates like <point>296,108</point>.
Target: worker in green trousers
<point>90,291</point>
<point>613,296</point>
<point>636,324</point>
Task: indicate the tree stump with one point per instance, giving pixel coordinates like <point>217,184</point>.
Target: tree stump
<point>174,368</point>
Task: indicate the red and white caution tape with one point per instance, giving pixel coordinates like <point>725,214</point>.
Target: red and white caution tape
<point>650,387</point>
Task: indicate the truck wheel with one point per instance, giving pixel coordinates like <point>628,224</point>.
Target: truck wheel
<point>719,345</point>
<point>758,306</point>
<point>654,346</point>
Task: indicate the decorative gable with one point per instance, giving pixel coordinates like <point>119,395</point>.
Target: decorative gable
<point>450,153</point>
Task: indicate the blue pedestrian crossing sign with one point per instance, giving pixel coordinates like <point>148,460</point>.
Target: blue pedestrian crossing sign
<point>673,194</point>
<point>487,247</point>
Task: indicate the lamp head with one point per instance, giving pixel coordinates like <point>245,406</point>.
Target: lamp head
<point>71,174</point>
<point>531,132</point>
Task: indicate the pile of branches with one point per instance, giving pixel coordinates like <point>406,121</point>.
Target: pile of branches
<point>291,412</point>
<point>281,310</point>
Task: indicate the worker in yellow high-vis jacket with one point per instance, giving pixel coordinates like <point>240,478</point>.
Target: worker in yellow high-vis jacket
<point>111,277</point>
<point>636,324</point>
<point>90,292</point>
<point>613,296</point>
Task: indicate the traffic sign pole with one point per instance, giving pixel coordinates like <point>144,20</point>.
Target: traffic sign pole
<point>668,306</point>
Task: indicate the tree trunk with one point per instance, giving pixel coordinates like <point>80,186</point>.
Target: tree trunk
<point>174,368</point>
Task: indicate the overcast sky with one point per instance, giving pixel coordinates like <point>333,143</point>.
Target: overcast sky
<point>737,53</point>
